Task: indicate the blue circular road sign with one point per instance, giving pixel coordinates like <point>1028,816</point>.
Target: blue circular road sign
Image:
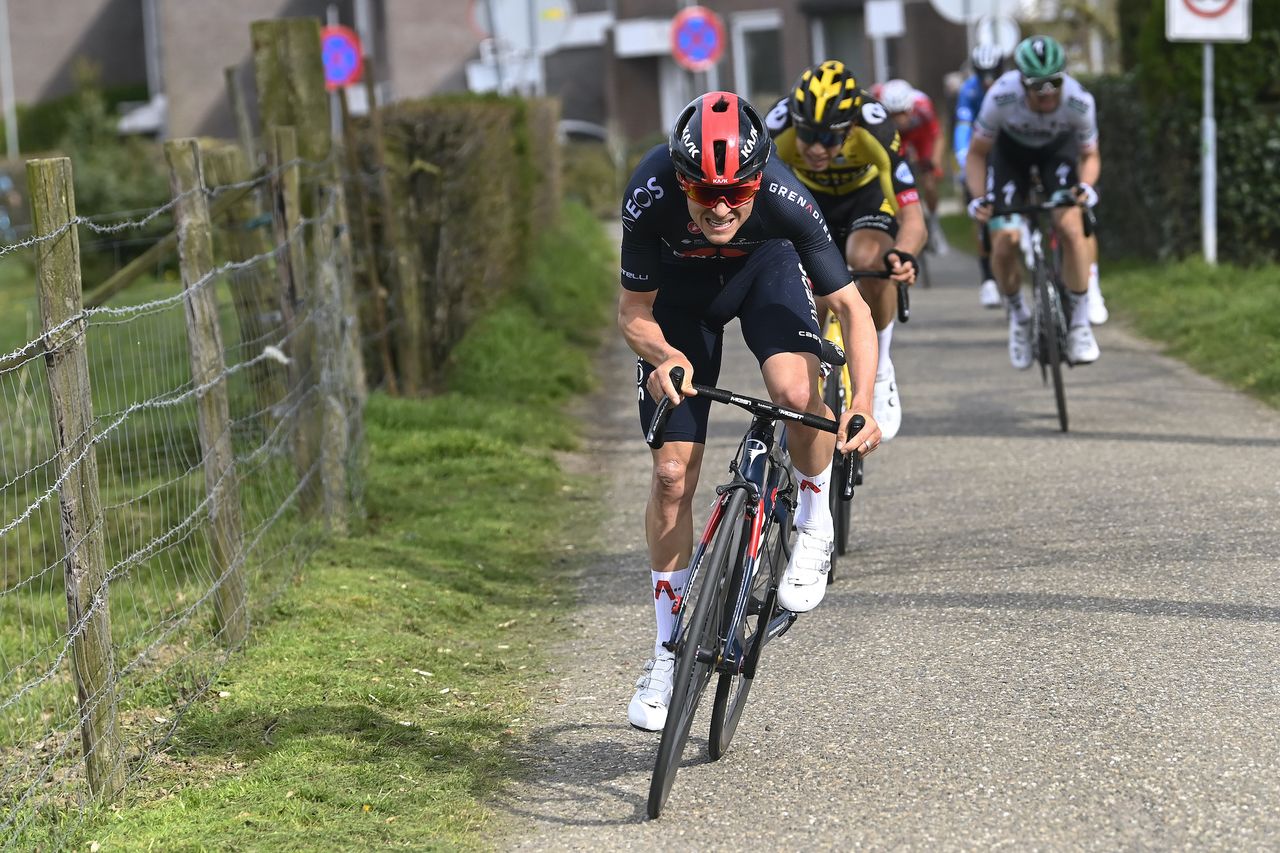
<point>343,57</point>
<point>697,38</point>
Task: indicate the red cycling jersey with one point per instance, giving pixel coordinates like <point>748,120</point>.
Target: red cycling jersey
<point>920,136</point>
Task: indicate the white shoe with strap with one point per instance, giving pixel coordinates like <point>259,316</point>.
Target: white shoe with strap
<point>805,581</point>
<point>648,708</point>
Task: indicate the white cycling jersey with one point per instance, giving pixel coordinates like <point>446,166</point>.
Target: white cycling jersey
<point>1005,110</point>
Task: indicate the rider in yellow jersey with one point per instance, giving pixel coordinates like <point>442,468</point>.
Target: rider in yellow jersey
<point>839,142</point>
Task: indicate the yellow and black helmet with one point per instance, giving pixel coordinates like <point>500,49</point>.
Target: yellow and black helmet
<point>826,96</point>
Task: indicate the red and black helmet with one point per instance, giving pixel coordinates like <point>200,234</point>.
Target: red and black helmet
<point>719,139</point>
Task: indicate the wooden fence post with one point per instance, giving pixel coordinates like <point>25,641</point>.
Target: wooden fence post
<point>376,289</point>
<point>240,110</point>
<point>296,301</point>
<point>410,337</point>
<point>256,299</point>
<point>357,390</point>
<point>204,344</point>
<point>53,208</point>
<point>290,73</point>
<point>330,355</point>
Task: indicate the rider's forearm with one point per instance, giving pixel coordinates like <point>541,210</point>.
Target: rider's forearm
<point>975,173</point>
<point>643,334</point>
<point>912,232</point>
<point>862,349</point>
<point>1090,167</point>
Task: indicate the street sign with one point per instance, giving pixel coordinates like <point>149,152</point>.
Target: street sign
<point>1001,31</point>
<point>343,57</point>
<point>697,38</point>
<point>1207,20</point>
<point>884,19</point>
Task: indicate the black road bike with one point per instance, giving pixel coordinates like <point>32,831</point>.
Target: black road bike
<point>837,391</point>
<point>1049,321</point>
<point>729,608</point>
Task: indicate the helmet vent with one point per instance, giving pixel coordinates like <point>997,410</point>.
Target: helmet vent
<point>720,106</point>
<point>718,149</point>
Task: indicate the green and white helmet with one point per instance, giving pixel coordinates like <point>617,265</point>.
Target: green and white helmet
<point>1039,56</point>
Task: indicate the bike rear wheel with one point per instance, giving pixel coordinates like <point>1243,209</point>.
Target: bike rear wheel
<point>1052,326</point>
<point>733,688</point>
<point>699,634</point>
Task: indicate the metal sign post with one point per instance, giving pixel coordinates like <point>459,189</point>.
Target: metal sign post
<point>884,20</point>
<point>1208,21</point>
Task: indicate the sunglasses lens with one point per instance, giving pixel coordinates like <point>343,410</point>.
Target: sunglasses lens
<point>1044,85</point>
<point>809,134</point>
<point>709,195</point>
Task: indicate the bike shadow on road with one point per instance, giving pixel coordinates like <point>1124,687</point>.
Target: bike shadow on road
<point>598,775</point>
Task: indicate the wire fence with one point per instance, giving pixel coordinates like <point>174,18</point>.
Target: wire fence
<point>194,521</point>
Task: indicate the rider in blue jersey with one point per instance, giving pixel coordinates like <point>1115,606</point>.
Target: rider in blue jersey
<point>988,64</point>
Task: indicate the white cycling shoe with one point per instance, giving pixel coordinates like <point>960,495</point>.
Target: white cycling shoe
<point>886,406</point>
<point>1082,347</point>
<point>805,581</point>
<point>648,708</point>
<point>1098,313</point>
<point>1019,342</point>
<point>989,295</point>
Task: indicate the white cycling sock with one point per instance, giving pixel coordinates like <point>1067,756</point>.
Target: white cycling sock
<point>813,512</point>
<point>884,336</point>
<point>1093,275</point>
<point>1079,306</point>
<point>1014,301</point>
<point>668,587</point>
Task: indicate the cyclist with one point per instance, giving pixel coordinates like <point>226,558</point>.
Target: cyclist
<point>988,64</point>
<point>713,228</point>
<point>1037,115</point>
<point>836,139</point>
<point>917,122</point>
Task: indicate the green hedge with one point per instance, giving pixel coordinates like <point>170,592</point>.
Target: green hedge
<point>473,179</point>
<point>1149,120</point>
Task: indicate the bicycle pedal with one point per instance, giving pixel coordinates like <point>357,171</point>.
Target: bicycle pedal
<point>755,606</point>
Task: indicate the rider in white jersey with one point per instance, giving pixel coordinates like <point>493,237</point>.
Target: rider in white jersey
<point>1037,116</point>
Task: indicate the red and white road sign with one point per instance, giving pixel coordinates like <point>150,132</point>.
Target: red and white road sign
<point>1207,20</point>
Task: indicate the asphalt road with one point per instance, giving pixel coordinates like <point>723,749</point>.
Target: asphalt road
<point>1039,641</point>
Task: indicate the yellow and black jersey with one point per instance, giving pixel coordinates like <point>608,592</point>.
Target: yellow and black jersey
<point>871,152</point>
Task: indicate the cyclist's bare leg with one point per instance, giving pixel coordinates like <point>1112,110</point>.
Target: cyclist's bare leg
<point>792,380</point>
<point>1006,259</point>
<point>865,250</point>
<point>1077,254</point>
<point>668,517</point>
<point>928,182</point>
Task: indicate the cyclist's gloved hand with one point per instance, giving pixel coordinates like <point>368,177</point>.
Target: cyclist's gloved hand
<point>902,265</point>
<point>980,205</point>
<point>1086,194</point>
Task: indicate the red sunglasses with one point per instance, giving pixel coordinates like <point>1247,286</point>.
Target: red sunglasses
<point>709,195</point>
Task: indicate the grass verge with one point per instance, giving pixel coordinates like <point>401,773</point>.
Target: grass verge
<point>376,707</point>
<point>1222,320</point>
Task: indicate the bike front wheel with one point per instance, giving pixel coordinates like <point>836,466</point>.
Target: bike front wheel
<point>698,650</point>
<point>1053,327</point>
<point>733,687</point>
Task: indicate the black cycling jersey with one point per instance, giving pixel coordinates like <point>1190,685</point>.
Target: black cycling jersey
<point>658,231</point>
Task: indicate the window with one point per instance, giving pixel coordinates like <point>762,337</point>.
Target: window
<point>757,57</point>
<point>842,36</point>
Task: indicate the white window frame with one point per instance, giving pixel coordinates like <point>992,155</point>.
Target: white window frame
<point>741,23</point>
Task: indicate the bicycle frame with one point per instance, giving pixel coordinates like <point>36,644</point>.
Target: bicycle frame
<point>762,471</point>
